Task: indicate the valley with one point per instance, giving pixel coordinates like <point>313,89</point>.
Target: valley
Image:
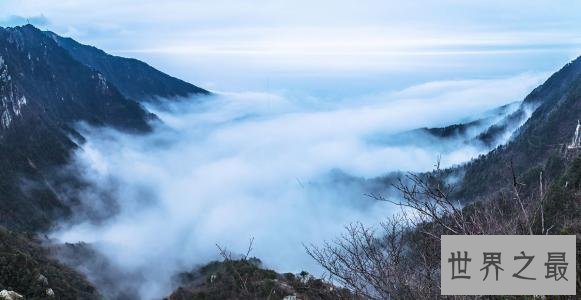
<point>119,181</point>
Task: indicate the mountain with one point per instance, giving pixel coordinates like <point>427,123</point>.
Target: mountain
<point>134,79</point>
<point>44,91</point>
<point>473,129</point>
<point>486,130</point>
<point>540,144</point>
<point>48,84</point>
<point>39,78</point>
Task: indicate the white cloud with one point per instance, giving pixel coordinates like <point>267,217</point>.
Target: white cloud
<point>207,41</point>
<point>258,165</point>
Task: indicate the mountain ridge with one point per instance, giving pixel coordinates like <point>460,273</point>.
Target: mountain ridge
<point>135,79</point>
<point>44,93</point>
<point>540,142</point>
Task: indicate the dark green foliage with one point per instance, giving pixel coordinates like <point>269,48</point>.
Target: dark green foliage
<point>563,202</point>
<point>453,130</point>
<point>491,135</point>
<point>539,142</point>
<point>247,279</point>
<point>226,280</point>
<point>23,261</point>
<point>555,165</point>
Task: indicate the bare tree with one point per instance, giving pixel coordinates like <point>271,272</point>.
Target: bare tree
<point>370,266</point>
<point>229,262</point>
<point>402,260</point>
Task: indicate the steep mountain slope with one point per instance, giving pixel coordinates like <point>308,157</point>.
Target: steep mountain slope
<point>540,144</point>
<point>28,269</point>
<point>43,91</point>
<point>135,79</point>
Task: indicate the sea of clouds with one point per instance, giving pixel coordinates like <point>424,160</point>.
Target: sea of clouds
<point>226,168</point>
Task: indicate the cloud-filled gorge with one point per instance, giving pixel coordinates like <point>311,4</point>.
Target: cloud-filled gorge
<point>230,167</point>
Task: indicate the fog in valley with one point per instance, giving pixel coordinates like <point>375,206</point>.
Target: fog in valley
<point>286,171</point>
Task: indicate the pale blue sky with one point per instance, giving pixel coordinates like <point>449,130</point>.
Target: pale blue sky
<point>332,48</point>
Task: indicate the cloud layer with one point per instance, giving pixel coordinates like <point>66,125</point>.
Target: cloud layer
<point>240,165</point>
<point>330,45</point>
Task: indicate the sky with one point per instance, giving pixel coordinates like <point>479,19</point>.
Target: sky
<point>319,48</point>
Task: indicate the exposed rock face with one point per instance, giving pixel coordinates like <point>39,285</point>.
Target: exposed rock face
<point>10,295</point>
<point>49,293</point>
<point>12,101</point>
<point>42,279</point>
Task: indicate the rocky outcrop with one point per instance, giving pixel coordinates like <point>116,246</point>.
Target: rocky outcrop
<point>29,269</point>
<point>10,295</point>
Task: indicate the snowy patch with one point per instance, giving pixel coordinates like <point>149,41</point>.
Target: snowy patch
<point>5,119</point>
<point>4,77</point>
<point>19,104</point>
<point>102,82</point>
<point>10,295</point>
<point>10,103</point>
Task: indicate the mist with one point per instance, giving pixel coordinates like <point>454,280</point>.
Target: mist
<point>234,166</point>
